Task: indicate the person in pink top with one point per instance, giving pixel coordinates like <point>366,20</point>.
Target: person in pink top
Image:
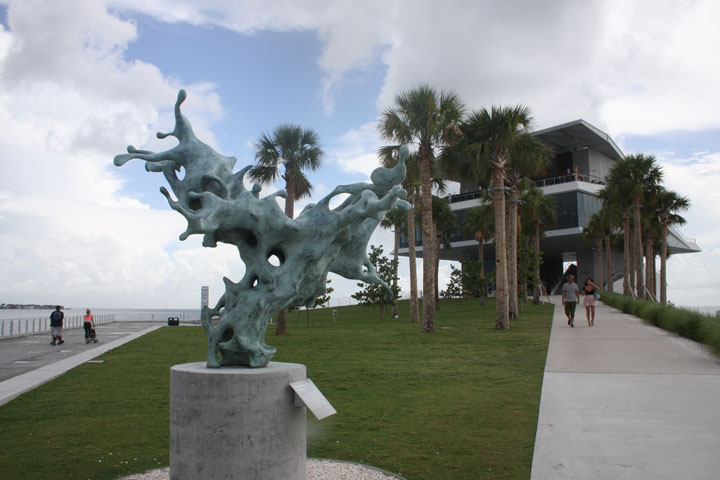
<point>590,301</point>
<point>89,325</point>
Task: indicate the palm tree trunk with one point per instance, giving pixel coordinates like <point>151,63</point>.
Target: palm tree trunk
<point>428,311</point>
<point>536,246</point>
<point>502,321</point>
<point>512,252</point>
<point>282,317</point>
<point>609,261</point>
<point>653,269</point>
<point>438,239</point>
<point>648,267</point>
<point>395,270</point>
<point>414,315</point>
<point>599,266</point>
<point>481,259</point>
<point>640,284</point>
<point>626,253</point>
<point>663,264</point>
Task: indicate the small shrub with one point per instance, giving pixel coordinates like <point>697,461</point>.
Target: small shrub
<point>650,312</point>
<point>709,333</point>
<point>687,323</point>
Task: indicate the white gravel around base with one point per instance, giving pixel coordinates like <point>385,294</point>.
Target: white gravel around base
<point>317,469</point>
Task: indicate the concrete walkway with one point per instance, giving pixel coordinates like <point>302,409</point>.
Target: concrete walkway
<point>29,361</point>
<point>625,400</point>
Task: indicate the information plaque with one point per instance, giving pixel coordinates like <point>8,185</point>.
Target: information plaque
<point>306,393</point>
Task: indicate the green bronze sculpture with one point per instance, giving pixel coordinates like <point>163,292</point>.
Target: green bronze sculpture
<point>216,203</point>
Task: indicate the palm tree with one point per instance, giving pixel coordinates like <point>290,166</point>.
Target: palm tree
<point>395,219</point>
<point>488,138</point>
<point>529,158</point>
<point>479,223</point>
<point>296,150</point>
<point>630,180</point>
<point>423,116</point>
<point>542,211</point>
<point>651,237</point>
<point>668,204</point>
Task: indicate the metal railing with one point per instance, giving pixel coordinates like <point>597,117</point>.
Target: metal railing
<point>461,197</point>
<point>543,182</point>
<point>573,177</point>
<point>15,327</point>
<point>682,236</point>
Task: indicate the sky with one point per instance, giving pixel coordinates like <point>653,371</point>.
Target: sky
<point>80,80</point>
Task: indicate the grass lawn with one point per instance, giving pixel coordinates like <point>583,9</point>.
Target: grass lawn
<point>458,404</point>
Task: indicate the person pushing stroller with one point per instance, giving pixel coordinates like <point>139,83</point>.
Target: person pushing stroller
<point>89,326</point>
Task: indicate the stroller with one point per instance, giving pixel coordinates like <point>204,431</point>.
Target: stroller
<point>92,338</point>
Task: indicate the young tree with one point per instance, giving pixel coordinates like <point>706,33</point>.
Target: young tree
<point>293,150</point>
<point>322,301</point>
<point>422,116</point>
<point>454,287</point>
<point>373,294</point>
<point>473,281</point>
<point>479,223</point>
<point>395,219</point>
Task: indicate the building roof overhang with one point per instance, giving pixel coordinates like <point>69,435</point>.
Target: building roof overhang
<point>578,135</point>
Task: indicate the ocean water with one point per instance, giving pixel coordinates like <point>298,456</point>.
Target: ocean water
<point>128,314</point>
<point>712,311</point>
<point>21,321</point>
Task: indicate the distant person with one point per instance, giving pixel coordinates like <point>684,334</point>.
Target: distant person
<point>590,301</point>
<point>570,298</point>
<point>89,326</point>
<point>56,324</point>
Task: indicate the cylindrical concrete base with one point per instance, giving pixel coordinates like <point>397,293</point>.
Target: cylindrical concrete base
<point>236,423</point>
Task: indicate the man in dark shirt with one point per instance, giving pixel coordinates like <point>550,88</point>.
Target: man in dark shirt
<point>56,324</point>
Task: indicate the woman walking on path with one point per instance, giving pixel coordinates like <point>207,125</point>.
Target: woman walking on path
<point>88,325</point>
<point>590,301</point>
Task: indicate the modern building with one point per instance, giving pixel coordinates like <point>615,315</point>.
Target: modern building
<point>583,156</point>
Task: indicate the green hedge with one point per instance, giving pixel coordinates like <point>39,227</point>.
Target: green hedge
<point>688,323</point>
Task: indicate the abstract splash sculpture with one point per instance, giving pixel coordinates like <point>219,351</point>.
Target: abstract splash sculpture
<point>216,204</point>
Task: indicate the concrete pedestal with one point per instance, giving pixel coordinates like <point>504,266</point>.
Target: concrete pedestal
<point>236,423</point>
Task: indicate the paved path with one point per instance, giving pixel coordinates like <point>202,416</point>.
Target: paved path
<point>625,400</point>
<point>29,361</point>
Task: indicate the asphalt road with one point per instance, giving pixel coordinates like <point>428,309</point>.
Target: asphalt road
<point>20,355</point>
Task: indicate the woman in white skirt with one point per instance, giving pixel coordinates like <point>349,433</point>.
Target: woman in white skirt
<point>589,302</point>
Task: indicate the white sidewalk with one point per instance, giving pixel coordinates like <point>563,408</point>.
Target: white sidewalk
<point>625,400</point>
<point>20,384</point>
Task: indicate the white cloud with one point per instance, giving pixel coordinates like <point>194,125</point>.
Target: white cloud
<point>356,150</point>
<point>68,103</point>
<point>630,67</point>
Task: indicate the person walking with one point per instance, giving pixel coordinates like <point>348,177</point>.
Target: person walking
<point>570,298</point>
<point>590,301</point>
<point>89,325</point>
<point>56,324</point>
